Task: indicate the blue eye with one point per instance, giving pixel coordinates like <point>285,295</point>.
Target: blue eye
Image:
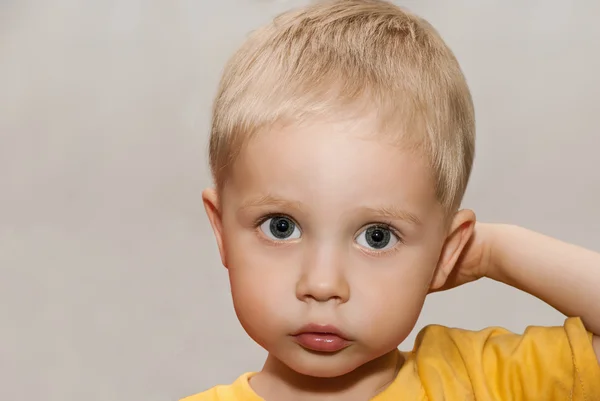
<point>280,228</point>
<point>377,237</point>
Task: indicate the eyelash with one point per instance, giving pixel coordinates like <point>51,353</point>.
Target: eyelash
<point>258,222</point>
<point>386,225</point>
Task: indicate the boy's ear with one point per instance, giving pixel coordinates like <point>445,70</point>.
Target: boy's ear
<point>210,198</point>
<point>459,234</point>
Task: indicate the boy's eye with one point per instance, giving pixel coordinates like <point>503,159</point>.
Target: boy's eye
<point>377,237</point>
<point>280,228</point>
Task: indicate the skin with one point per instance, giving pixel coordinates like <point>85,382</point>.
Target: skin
<point>326,272</point>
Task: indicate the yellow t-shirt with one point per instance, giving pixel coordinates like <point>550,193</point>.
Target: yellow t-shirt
<point>543,364</point>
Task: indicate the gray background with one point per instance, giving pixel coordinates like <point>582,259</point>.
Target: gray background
<point>110,282</point>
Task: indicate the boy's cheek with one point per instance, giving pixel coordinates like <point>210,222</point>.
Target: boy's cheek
<point>262,299</point>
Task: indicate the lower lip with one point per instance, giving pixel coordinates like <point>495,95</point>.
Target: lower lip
<point>321,342</point>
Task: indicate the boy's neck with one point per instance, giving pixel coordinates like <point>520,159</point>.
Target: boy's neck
<point>277,381</point>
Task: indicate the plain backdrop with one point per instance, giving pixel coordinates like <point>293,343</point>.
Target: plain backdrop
<point>110,282</point>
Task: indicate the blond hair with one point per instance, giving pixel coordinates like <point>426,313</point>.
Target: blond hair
<point>343,57</point>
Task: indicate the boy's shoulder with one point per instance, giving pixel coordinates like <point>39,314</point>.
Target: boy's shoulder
<point>208,395</point>
<point>469,347</point>
<point>238,390</point>
<point>495,359</point>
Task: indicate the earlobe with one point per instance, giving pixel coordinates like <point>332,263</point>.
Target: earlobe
<point>210,198</point>
<point>461,231</point>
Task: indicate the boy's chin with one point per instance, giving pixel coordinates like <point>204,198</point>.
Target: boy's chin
<point>322,371</point>
<point>323,365</point>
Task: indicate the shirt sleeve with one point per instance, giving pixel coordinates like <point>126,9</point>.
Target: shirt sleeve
<point>543,363</point>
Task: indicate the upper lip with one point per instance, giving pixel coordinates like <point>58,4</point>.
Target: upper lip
<point>321,329</point>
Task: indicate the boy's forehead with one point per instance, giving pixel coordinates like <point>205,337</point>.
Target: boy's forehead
<point>339,164</point>
<point>335,137</point>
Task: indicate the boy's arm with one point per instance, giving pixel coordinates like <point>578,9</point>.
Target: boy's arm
<point>563,275</point>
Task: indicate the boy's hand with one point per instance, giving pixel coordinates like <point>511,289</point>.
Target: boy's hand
<point>476,259</point>
<point>563,275</point>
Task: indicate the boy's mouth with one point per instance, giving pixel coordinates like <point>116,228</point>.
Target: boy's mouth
<point>321,338</point>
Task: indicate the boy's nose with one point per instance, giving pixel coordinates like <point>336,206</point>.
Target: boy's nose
<point>323,279</point>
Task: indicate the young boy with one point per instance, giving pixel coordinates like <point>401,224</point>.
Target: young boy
<point>341,146</point>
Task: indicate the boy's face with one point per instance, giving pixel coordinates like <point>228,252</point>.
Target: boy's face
<point>330,226</point>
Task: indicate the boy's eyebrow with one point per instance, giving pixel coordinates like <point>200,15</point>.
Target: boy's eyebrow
<point>394,212</point>
<point>270,200</point>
